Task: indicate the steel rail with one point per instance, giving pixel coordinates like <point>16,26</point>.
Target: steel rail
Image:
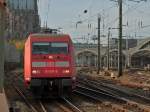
<point>99,94</point>
<point>97,97</point>
<point>43,107</point>
<point>88,95</point>
<point>33,109</point>
<point>25,99</point>
<point>74,108</point>
<point>111,89</point>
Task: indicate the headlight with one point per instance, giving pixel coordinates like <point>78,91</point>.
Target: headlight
<point>35,71</point>
<point>66,71</point>
<point>50,57</point>
<point>28,78</point>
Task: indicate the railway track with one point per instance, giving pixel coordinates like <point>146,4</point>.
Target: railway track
<point>15,80</point>
<point>115,91</point>
<point>61,105</point>
<point>89,90</point>
<point>44,106</point>
<point>28,103</point>
<point>16,84</point>
<point>40,105</point>
<point>71,105</point>
<point>117,104</point>
<point>99,95</point>
<point>120,100</point>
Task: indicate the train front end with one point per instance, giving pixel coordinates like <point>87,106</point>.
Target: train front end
<point>52,65</point>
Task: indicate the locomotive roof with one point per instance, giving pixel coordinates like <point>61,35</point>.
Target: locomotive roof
<point>47,35</point>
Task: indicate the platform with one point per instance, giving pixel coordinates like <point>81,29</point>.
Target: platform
<point>3,103</point>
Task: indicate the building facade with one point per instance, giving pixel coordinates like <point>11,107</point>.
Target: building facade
<point>23,18</point>
<point>126,43</point>
<point>86,54</point>
<point>136,57</point>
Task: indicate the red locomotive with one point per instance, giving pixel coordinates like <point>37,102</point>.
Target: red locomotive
<point>49,63</point>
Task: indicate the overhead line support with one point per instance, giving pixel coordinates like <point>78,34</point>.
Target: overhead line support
<point>120,71</point>
<point>99,46</point>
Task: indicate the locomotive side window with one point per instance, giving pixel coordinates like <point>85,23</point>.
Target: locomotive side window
<point>49,48</point>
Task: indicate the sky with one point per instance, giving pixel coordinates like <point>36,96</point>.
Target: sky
<point>65,14</point>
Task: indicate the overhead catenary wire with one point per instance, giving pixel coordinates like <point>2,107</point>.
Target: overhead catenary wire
<point>116,19</point>
<point>126,12</point>
<point>92,21</point>
<point>95,15</point>
<point>48,2</point>
<point>107,9</point>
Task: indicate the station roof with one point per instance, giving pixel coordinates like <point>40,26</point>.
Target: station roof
<point>142,50</point>
<point>142,53</point>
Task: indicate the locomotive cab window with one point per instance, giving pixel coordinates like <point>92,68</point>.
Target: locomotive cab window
<point>49,48</point>
<point>59,48</point>
<point>40,48</point>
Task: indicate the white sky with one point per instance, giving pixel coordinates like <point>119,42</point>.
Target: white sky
<point>66,13</point>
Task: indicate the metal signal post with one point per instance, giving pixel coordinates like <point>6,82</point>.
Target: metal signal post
<point>99,54</point>
<point>108,49</point>
<point>120,40</point>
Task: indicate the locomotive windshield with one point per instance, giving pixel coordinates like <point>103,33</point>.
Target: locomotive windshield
<point>49,48</point>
